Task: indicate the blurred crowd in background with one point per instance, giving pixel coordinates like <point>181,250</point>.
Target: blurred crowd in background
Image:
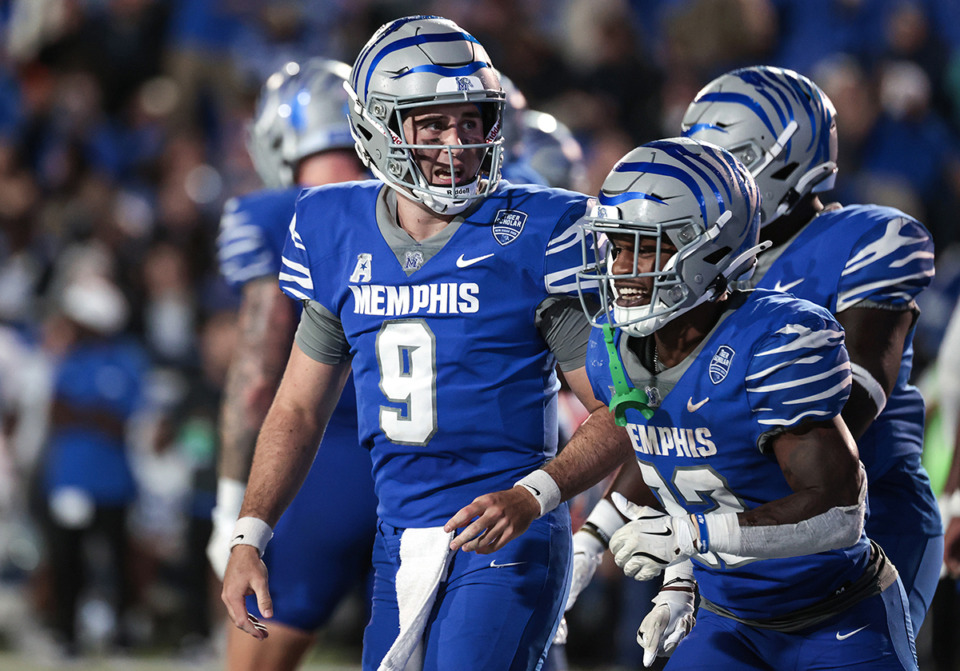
<point>122,134</point>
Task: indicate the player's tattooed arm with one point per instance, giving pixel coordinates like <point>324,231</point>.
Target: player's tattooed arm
<point>267,322</point>
<point>874,339</point>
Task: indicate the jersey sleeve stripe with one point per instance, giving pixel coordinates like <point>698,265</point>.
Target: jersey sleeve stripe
<point>801,381</point>
<point>826,393</point>
<point>810,359</point>
<point>298,273</point>
<point>566,239</point>
<point>912,257</point>
<point>892,242</point>
<point>562,281</point>
<point>806,339</point>
<point>793,420</point>
<point>301,281</point>
<point>850,297</point>
<point>290,291</point>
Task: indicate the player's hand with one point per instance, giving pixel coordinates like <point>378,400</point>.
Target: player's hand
<point>666,624</point>
<point>587,555</point>
<point>651,542</point>
<point>246,574</point>
<point>497,519</point>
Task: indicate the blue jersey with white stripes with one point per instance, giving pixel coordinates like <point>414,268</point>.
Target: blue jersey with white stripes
<point>253,230</point>
<point>868,256</point>
<point>769,365</point>
<point>456,387</point>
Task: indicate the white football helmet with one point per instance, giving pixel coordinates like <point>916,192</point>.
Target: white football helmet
<point>411,63</point>
<point>694,194</point>
<point>778,123</point>
<point>301,110</point>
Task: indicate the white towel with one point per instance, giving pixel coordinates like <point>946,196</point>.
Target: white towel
<point>424,559</point>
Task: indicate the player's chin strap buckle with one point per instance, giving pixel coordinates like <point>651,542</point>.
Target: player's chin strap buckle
<point>625,397</point>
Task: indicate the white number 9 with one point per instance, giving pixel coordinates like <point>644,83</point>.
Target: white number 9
<point>407,355</point>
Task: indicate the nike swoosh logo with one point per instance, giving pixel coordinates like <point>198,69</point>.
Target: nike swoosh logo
<point>788,286</point>
<point>238,537</point>
<point>494,564</point>
<point>843,637</point>
<point>463,263</point>
<point>693,407</point>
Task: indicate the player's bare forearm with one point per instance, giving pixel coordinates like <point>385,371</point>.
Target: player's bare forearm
<point>597,448</point>
<point>820,463</point>
<point>291,433</point>
<point>267,324</point>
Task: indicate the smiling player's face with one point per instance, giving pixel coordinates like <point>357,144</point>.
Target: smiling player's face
<point>454,125</point>
<point>634,292</point>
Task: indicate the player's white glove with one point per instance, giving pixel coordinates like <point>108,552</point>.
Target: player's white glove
<point>224,516</point>
<point>652,541</point>
<point>671,618</point>
<point>589,544</point>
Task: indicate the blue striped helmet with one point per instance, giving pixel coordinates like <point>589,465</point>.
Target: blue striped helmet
<point>301,110</point>
<point>692,193</point>
<point>411,63</point>
<point>778,123</point>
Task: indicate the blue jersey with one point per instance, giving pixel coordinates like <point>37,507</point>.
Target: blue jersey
<point>456,387</point>
<point>867,256</point>
<point>769,365</point>
<point>253,231</point>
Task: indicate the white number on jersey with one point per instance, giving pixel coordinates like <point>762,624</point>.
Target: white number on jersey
<point>407,354</point>
<point>693,486</point>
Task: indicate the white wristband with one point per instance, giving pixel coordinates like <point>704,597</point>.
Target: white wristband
<point>251,531</point>
<point>543,487</point>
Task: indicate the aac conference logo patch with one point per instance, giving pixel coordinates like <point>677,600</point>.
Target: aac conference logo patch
<point>507,225</point>
<point>720,363</point>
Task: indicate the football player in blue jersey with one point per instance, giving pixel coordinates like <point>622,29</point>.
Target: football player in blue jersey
<point>299,137</point>
<point>453,297</point>
<point>732,403</point>
<point>866,264</point>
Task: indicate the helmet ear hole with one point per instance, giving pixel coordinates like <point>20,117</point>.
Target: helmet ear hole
<point>365,132</point>
<point>717,256</point>
<point>784,173</point>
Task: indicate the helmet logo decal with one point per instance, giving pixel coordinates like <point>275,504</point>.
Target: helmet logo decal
<point>720,363</point>
<point>459,83</point>
<point>508,225</point>
<point>361,272</point>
